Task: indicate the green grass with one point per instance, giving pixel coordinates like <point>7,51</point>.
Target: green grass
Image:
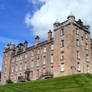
<point>74,83</point>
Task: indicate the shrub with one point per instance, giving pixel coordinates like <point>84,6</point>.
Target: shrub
<point>9,81</point>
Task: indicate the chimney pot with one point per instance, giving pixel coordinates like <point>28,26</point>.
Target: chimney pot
<point>37,40</point>
<point>49,35</point>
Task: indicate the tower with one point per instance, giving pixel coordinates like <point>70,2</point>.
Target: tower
<point>72,51</point>
<point>6,66</point>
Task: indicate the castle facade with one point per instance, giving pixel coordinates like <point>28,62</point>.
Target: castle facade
<point>67,52</point>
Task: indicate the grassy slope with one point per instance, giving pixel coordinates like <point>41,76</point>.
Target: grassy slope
<point>74,83</point>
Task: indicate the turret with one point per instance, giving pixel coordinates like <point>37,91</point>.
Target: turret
<point>56,24</point>
<point>71,18</point>
<point>6,65</point>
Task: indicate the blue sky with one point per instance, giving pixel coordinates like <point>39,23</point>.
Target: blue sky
<point>12,22</point>
<point>22,20</point>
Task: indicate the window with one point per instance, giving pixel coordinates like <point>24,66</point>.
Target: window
<point>78,56</point>
<point>5,61</point>
<point>51,70</point>
<point>38,51</point>
<point>38,62</point>
<point>20,67</point>
<point>62,32</point>
<point>32,53</point>
<point>77,42</point>
<point>77,32</point>
<point>32,64</point>
<point>87,68</point>
<point>44,71</point>
<point>62,67</point>
<point>16,68</point>
<point>37,74</point>
<point>25,55</point>
<point>87,58</point>
<point>86,46</point>
<point>86,36</point>
<point>78,66</point>
<point>20,57</point>
<point>12,69</point>
<point>44,49</point>
<point>44,60</point>
<point>62,55</point>
<point>52,47</point>
<point>82,38</point>
<point>62,43</point>
<point>31,74</point>
<point>25,66</point>
<point>51,58</point>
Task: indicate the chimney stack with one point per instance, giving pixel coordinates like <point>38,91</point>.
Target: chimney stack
<point>37,40</point>
<point>25,44</point>
<point>49,35</point>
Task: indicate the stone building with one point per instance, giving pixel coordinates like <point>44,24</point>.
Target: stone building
<point>67,52</point>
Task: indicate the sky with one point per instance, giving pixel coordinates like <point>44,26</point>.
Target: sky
<point>22,20</point>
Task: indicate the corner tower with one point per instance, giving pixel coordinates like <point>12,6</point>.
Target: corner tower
<point>8,51</point>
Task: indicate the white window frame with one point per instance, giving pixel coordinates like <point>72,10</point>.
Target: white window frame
<point>62,32</point>
<point>31,74</point>
<point>16,68</point>
<point>44,50</point>
<point>44,60</point>
<point>78,67</point>
<point>62,55</point>
<point>62,67</point>
<point>25,66</point>
<point>20,67</point>
<point>38,62</point>
<point>52,47</point>
<point>62,43</point>
<point>52,58</point>
<point>78,55</point>
<point>44,71</point>
<point>52,70</point>
<point>32,64</point>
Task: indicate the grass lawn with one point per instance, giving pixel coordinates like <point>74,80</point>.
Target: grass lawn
<point>74,83</point>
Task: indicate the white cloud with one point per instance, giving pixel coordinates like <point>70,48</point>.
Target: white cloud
<point>35,1</point>
<point>43,19</point>
<point>27,19</point>
<point>5,40</point>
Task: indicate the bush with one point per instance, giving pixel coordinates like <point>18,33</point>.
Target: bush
<point>9,81</point>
